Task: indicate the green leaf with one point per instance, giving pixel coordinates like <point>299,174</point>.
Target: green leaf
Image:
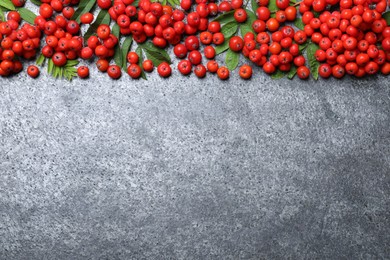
<point>299,24</point>
<point>292,72</point>
<point>125,49</point>
<point>229,29</point>
<point>68,71</point>
<point>316,14</point>
<point>84,7</point>
<point>254,5</point>
<point>141,60</point>
<point>50,66</point>
<point>303,46</point>
<point>136,3</point>
<point>27,15</point>
<point>251,17</point>
<point>36,2</point>
<point>71,63</point>
<point>223,47</point>
<point>157,53</point>
<point>102,18</point>
<point>272,7</point>
<point>278,75</point>
<point>116,30</point>
<point>244,28</point>
<point>118,58</point>
<point>386,16</point>
<point>225,17</point>
<point>7,4</point>
<point>247,26</point>
<point>41,59</point>
<point>313,63</point>
<point>172,2</point>
<point>55,72</point>
<point>2,15</point>
<point>157,60</point>
<point>232,59</point>
<point>61,73</point>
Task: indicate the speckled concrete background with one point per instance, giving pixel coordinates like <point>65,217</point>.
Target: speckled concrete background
<point>194,169</point>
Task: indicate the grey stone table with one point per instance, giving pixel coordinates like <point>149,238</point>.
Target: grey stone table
<point>194,169</point>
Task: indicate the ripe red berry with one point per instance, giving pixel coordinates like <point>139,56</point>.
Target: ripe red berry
<point>191,43</point>
<point>101,51</point>
<point>102,65</point>
<point>86,53</point>
<point>103,31</point>
<point>338,71</point>
<point>104,4</point>
<point>148,66</point>
<point>68,12</point>
<point>291,13</point>
<point>59,59</point>
<point>132,57</point>
<point>319,5</point>
<point>33,71</point>
<point>114,71</point>
<point>245,71</point>
<point>45,10</point>
<point>180,50</point>
<point>195,57</point>
<point>218,38</point>
<point>263,13</point>
<point>83,72</point>
<point>86,18</point>
<point>214,27</point>
<point>303,72</point>
<point>236,43</point>
<point>223,73</point>
<point>325,70</point>
<point>200,71</point>
<point>240,15</point>
<point>209,52</point>
<point>206,38</point>
<point>212,66</point>
<point>164,70</point>
<point>282,4</point>
<point>14,15</point>
<point>184,67</point>
<point>18,3</point>
<point>134,71</point>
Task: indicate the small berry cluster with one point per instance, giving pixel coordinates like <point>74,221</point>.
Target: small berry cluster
<point>103,46</point>
<point>349,39</point>
<point>63,42</point>
<point>166,26</point>
<point>17,42</point>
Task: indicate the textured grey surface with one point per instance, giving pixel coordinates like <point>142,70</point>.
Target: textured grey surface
<point>194,169</point>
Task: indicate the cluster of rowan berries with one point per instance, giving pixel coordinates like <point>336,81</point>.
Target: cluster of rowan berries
<point>353,39</point>
<point>166,26</point>
<point>16,42</point>
<point>273,47</point>
<point>349,39</point>
<point>103,46</point>
<point>190,50</point>
<point>63,42</point>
